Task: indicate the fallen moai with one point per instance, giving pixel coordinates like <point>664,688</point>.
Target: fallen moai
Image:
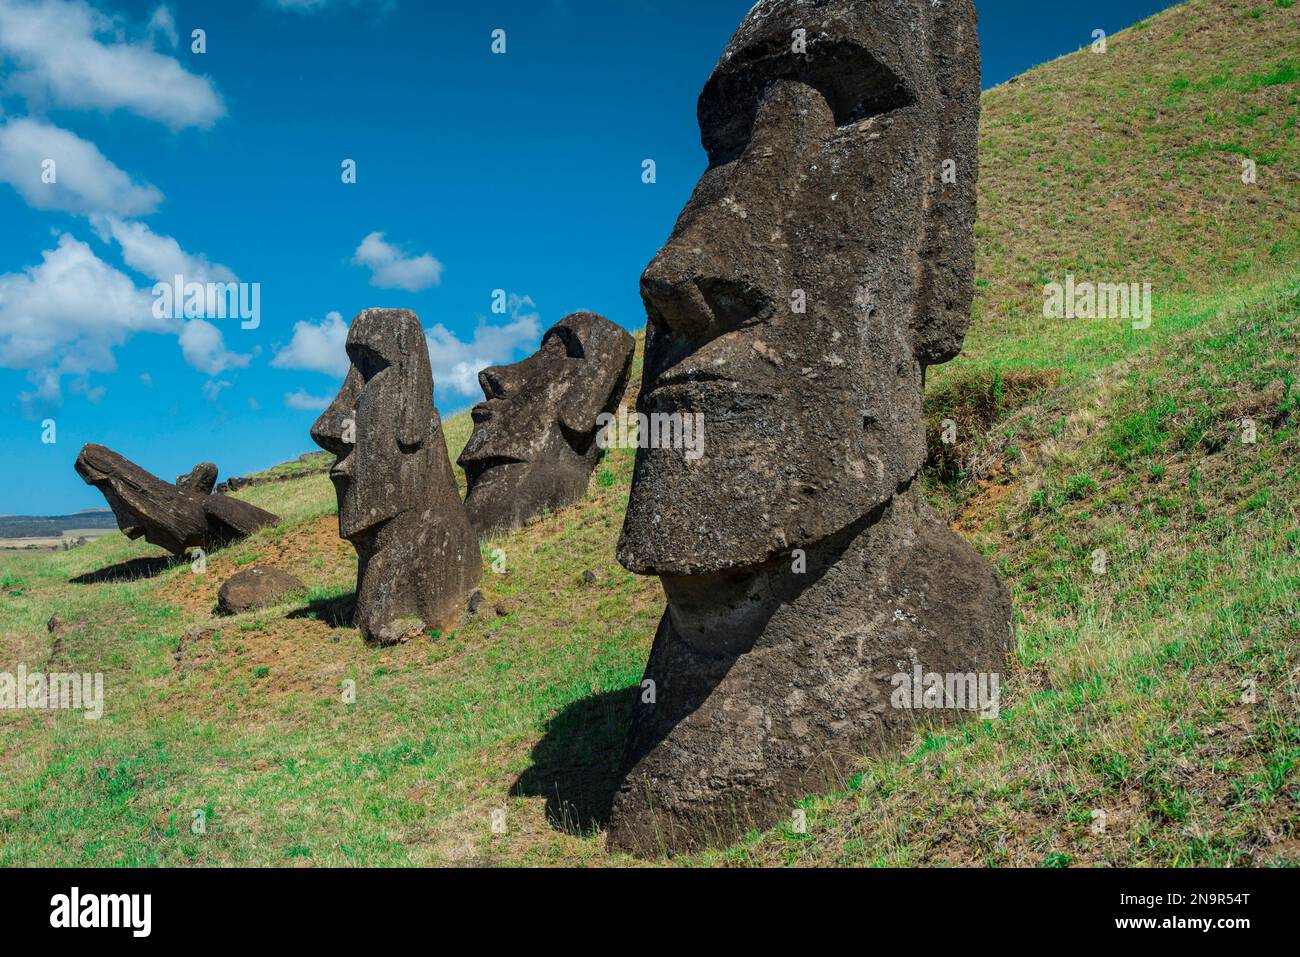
<point>175,517</point>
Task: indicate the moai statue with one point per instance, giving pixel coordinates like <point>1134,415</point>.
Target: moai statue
<point>534,441</point>
<point>824,261</point>
<point>418,559</point>
<point>175,517</point>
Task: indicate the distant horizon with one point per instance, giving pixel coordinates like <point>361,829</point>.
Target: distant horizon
<point>80,511</point>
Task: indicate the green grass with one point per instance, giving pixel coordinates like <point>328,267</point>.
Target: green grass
<point>1162,693</point>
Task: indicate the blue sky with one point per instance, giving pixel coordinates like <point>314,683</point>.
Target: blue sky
<point>476,172</point>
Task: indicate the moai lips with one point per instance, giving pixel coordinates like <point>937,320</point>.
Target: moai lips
<point>175,517</point>
<point>534,442</point>
<point>820,266</point>
<point>418,559</point>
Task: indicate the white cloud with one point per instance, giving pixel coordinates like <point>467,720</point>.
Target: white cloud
<point>390,268</point>
<point>315,6</point>
<point>147,380</point>
<point>92,393</point>
<point>86,181</point>
<point>301,399</point>
<point>162,24</point>
<point>456,364</point>
<point>64,317</point>
<point>159,257</point>
<point>213,388</point>
<point>204,348</point>
<point>57,48</point>
<point>317,348</point>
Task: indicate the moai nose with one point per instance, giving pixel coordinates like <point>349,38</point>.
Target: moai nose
<point>693,296</point>
<point>493,383</point>
<point>672,297</point>
<point>330,431</point>
<point>499,382</point>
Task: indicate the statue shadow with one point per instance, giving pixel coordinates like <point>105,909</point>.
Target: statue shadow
<point>335,612</point>
<point>575,765</point>
<point>134,569</point>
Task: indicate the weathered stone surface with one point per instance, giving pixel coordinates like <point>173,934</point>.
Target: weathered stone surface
<point>820,265</point>
<point>201,479</point>
<point>533,447</point>
<point>255,587</point>
<point>169,516</point>
<point>418,558</point>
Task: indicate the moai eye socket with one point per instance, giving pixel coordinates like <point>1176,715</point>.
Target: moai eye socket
<point>855,83</point>
<point>368,362</point>
<point>570,340</point>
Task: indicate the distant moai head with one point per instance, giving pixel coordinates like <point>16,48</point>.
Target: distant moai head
<point>824,260</point>
<point>534,440</point>
<point>381,423</point>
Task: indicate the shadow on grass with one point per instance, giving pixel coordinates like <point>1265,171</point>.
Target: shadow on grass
<point>335,611</point>
<point>133,569</point>
<point>575,764</point>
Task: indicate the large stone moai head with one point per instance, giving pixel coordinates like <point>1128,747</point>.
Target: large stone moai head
<point>398,503</point>
<point>534,442</point>
<point>823,261</point>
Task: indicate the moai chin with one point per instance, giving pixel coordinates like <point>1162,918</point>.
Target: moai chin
<point>417,557</point>
<point>822,263</point>
<point>534,442</point>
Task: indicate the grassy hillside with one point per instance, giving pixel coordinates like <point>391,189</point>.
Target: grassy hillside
<point>1163,692</point>
<point>1126,167</point>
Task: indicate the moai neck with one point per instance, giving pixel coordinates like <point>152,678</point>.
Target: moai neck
<point>768,684</point>
<point>725,614</point>
<point>386,608</point>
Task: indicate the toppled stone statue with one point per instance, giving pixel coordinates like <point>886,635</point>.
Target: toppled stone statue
<point>174,517</point>
<point>533,447</point>
<point>418,558</point>
<point>200,479</point>
<point>824,261</point>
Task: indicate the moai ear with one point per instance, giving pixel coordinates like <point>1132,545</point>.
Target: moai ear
<point>948,250</point>
<point>415,379</point>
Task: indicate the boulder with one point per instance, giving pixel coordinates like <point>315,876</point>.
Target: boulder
<point>256,587</point>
